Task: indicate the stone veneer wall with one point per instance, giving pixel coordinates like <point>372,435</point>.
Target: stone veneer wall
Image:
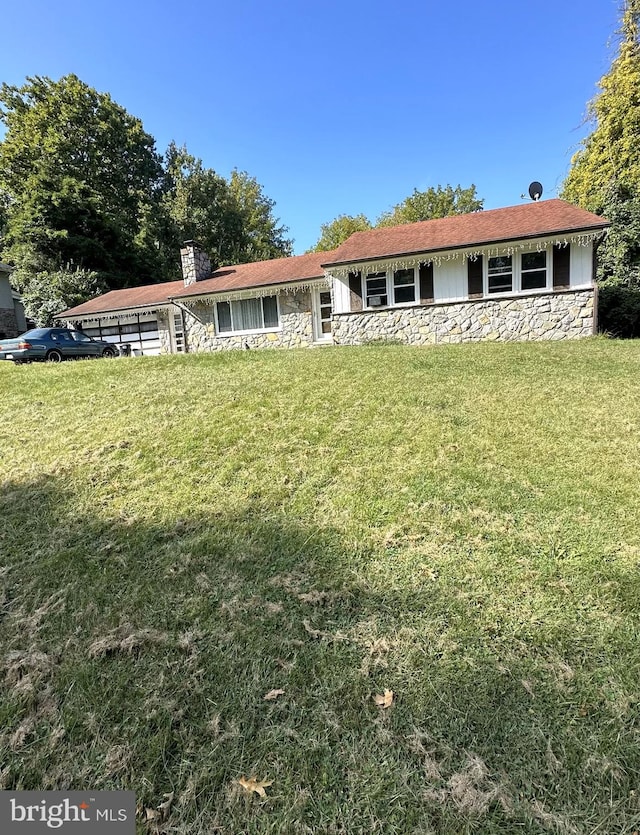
<point>8,322</point>
<point>296,327</point>
<point>195,264</point>
<point>164,333</point>
<point>565,315</point>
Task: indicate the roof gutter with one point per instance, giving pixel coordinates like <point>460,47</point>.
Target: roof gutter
<point>94,314</point>
<point>228,290</point>
<point>474,245</point>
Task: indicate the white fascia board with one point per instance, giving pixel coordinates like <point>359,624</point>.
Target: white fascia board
<point>252,292</point>
<point>467,253</point>
<point>124,313</point>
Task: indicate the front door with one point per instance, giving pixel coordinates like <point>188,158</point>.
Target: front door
<point>322,315</point>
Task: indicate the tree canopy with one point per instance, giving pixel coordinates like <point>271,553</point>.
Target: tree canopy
<point>86,198</point>
<point>232,219</point>
<point>420,205</point>
<point>605,172</point>
<point>262,236</point>
<point>81,176</point>
<point>337,231</point>
<point>433,203</point>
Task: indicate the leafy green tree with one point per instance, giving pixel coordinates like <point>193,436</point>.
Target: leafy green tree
<point>619,256</point>
<point>84,194</point>
<point>45,293</point>
<point>195,207</point>
<point>421,205</point>
<point>605,173</point>
<point>433,203</point>
<point>262,237</point>
<point>4,208</point>
<point>83,177</point>
<point>337,231</point>
<point>232,219</point>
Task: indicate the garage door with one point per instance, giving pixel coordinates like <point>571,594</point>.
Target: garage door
<point>140,331</point>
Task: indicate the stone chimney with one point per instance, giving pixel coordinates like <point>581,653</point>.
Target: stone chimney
<point>195,263</point>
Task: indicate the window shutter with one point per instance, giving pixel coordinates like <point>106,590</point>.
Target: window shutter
<point>426,283</point>
<point>355,291</point>
<point>474,276</point>
<point>561,257</point>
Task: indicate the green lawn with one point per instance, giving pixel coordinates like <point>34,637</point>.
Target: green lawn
<point>460,525</point>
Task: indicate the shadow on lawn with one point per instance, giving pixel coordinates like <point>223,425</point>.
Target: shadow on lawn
<point>137,655</point>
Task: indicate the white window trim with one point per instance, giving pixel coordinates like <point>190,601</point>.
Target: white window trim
<point>224,334</point>
<point>390,288</point>
<point>516,264</point>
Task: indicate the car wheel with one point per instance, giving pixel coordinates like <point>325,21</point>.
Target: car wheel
<point>54,356</point>
<point>108,353</point>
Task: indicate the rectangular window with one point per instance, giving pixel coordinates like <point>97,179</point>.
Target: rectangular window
<point>270,306</point>
<point>224,317</point>
<point>404,286</point>
<point>500,273</point>
<point>534,270</point>
<point>110,330</point>
<point>146,335</point>
<point>325,312</point>
<point>377,290</point>
<point>148,324</point>
<point>248,315</point>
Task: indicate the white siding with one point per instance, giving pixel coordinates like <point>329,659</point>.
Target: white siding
<point>341,295</point>
<point>20,315</point>
<point>6,298</point>
<point>581,265</point>
<point>450,281</point>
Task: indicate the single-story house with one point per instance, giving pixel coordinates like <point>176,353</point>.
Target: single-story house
<point>12,318</point>
<point>519,273</point>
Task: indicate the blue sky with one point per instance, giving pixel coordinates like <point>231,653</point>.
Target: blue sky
<point>338,107</point>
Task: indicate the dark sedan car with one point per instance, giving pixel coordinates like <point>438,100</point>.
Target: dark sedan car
<point>53,345</point>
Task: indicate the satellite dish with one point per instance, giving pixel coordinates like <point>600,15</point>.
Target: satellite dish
<point>535,190</point>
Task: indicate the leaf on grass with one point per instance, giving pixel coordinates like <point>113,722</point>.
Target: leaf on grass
<point>165,807</point>
<point>162,812</point>
<point>273,694</point>
<point>254,785</point>
<point>385,699</point>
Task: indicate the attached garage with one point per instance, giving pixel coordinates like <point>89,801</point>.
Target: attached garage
<point>144,318</point>
<point>139,330</point>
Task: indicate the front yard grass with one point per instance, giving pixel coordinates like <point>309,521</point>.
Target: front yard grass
<point>460,525</point>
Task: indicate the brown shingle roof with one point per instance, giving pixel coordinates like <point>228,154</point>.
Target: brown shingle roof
<point>259,274</point>
<point>146,296</point>
<point>225,279</point>
<point>529,220</point>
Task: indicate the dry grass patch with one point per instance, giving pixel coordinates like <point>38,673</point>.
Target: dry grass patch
<point>456,527</point>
